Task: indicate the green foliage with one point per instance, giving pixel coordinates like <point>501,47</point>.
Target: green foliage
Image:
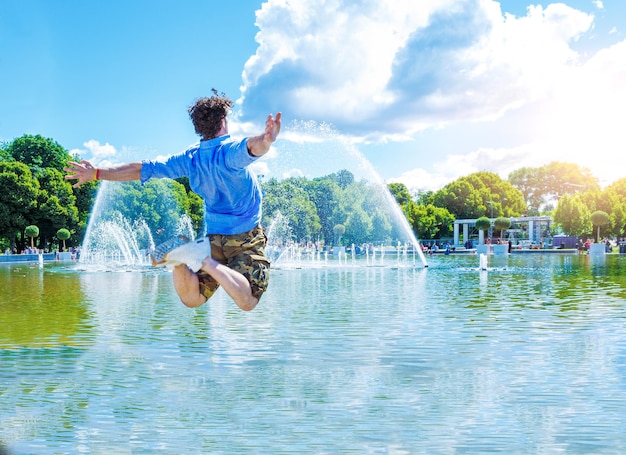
<point>63,235</point>
<point>480,194</point>
<point>325,195</point>
<point>160,203</point>
<point>573,216</point>
<point>31,232</point>
<point>35,192</point>
<point>196,205</point>
<point>343,178</point>
<point>4,153</point>
<point>38,153</point>
<point>426,220</point>
<point>314,208</point>
<point>599,218</point>
<point>56,203</point>
<point>18,198</point>
<point>502,224</point>
<point>290,198</point>
<point>556,179</point>
<point>401,193</point>
<point>483,223</point>
<point>614,203</point>
<point>339,230</point>
<point>529,181</point>
<point>357,216</point>
<point>430,222</point>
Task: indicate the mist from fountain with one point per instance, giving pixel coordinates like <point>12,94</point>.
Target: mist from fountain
<point>118,240</point>
<point>114,240</point>
<point>313,150</point>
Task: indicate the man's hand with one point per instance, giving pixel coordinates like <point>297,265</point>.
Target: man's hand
<point>272,127</point>
<point>83,172</point>
<point>260,145</point>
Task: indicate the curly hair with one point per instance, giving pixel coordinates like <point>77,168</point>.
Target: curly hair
<point>207,114</point>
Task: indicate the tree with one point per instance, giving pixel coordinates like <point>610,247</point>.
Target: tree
<point>501,224</point>
<point>325,195</point>
<point>615,197</point>
<point>483,223</point>
<point>4,153</point>
<point>480,194</point>
<point>599,218</point>
<point>567,178</point>
<point>343,178</point>
<point>430,222</point>
<point>32,232</point>
<point>18,197</point>
<point>38,153</point>
<point>359,203</point>
<point>359,228</point>
<point>573,216</point>
<point>196,205</point>
<point>401,193</point>
<point>529,181</point>
<point>460,199</point>
<point>339,230</point>
<point>159,203</point>
<point>551,181</point>
<point>290,199</point>
<point>63,235</point>
<point>56,204</point>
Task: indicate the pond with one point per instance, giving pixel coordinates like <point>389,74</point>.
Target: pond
<point>526,357</point>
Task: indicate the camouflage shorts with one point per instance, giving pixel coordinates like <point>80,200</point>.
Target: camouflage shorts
<point>244,253</point>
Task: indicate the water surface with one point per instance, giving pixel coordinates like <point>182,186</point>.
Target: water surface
<point>527,357</point>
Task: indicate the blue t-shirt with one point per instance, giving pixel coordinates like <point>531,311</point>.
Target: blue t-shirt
<point>218,172</point>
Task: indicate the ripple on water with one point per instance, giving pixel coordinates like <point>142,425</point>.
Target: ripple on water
<point>529,357</point>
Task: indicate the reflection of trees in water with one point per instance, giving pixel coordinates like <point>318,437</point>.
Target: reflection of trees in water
<point>40,309</point>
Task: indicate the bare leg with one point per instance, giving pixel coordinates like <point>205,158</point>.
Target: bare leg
<point>234,283</point>
<point>187,286</point>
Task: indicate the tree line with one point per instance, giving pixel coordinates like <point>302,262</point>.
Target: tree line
<point>334,209</point>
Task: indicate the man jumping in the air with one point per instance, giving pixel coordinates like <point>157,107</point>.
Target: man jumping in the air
<point>232,255</point>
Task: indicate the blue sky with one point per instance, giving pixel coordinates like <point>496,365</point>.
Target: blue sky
<point>417,92</point>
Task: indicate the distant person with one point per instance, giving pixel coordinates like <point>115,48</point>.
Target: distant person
<point>232,254</point>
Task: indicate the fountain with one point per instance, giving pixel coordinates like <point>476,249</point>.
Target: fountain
<point>483,261</point>
<point>313,151</point>
<point>124,239</point>
<point>118,236</point>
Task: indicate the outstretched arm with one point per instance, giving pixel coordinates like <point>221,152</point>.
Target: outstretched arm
<point>84,172</point>
<point>259,145</point>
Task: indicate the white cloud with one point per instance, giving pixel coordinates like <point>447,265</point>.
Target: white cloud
<point>392,67</point>
<point>418,180</point>
<point>98,154</point>
<point>380,71</point>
